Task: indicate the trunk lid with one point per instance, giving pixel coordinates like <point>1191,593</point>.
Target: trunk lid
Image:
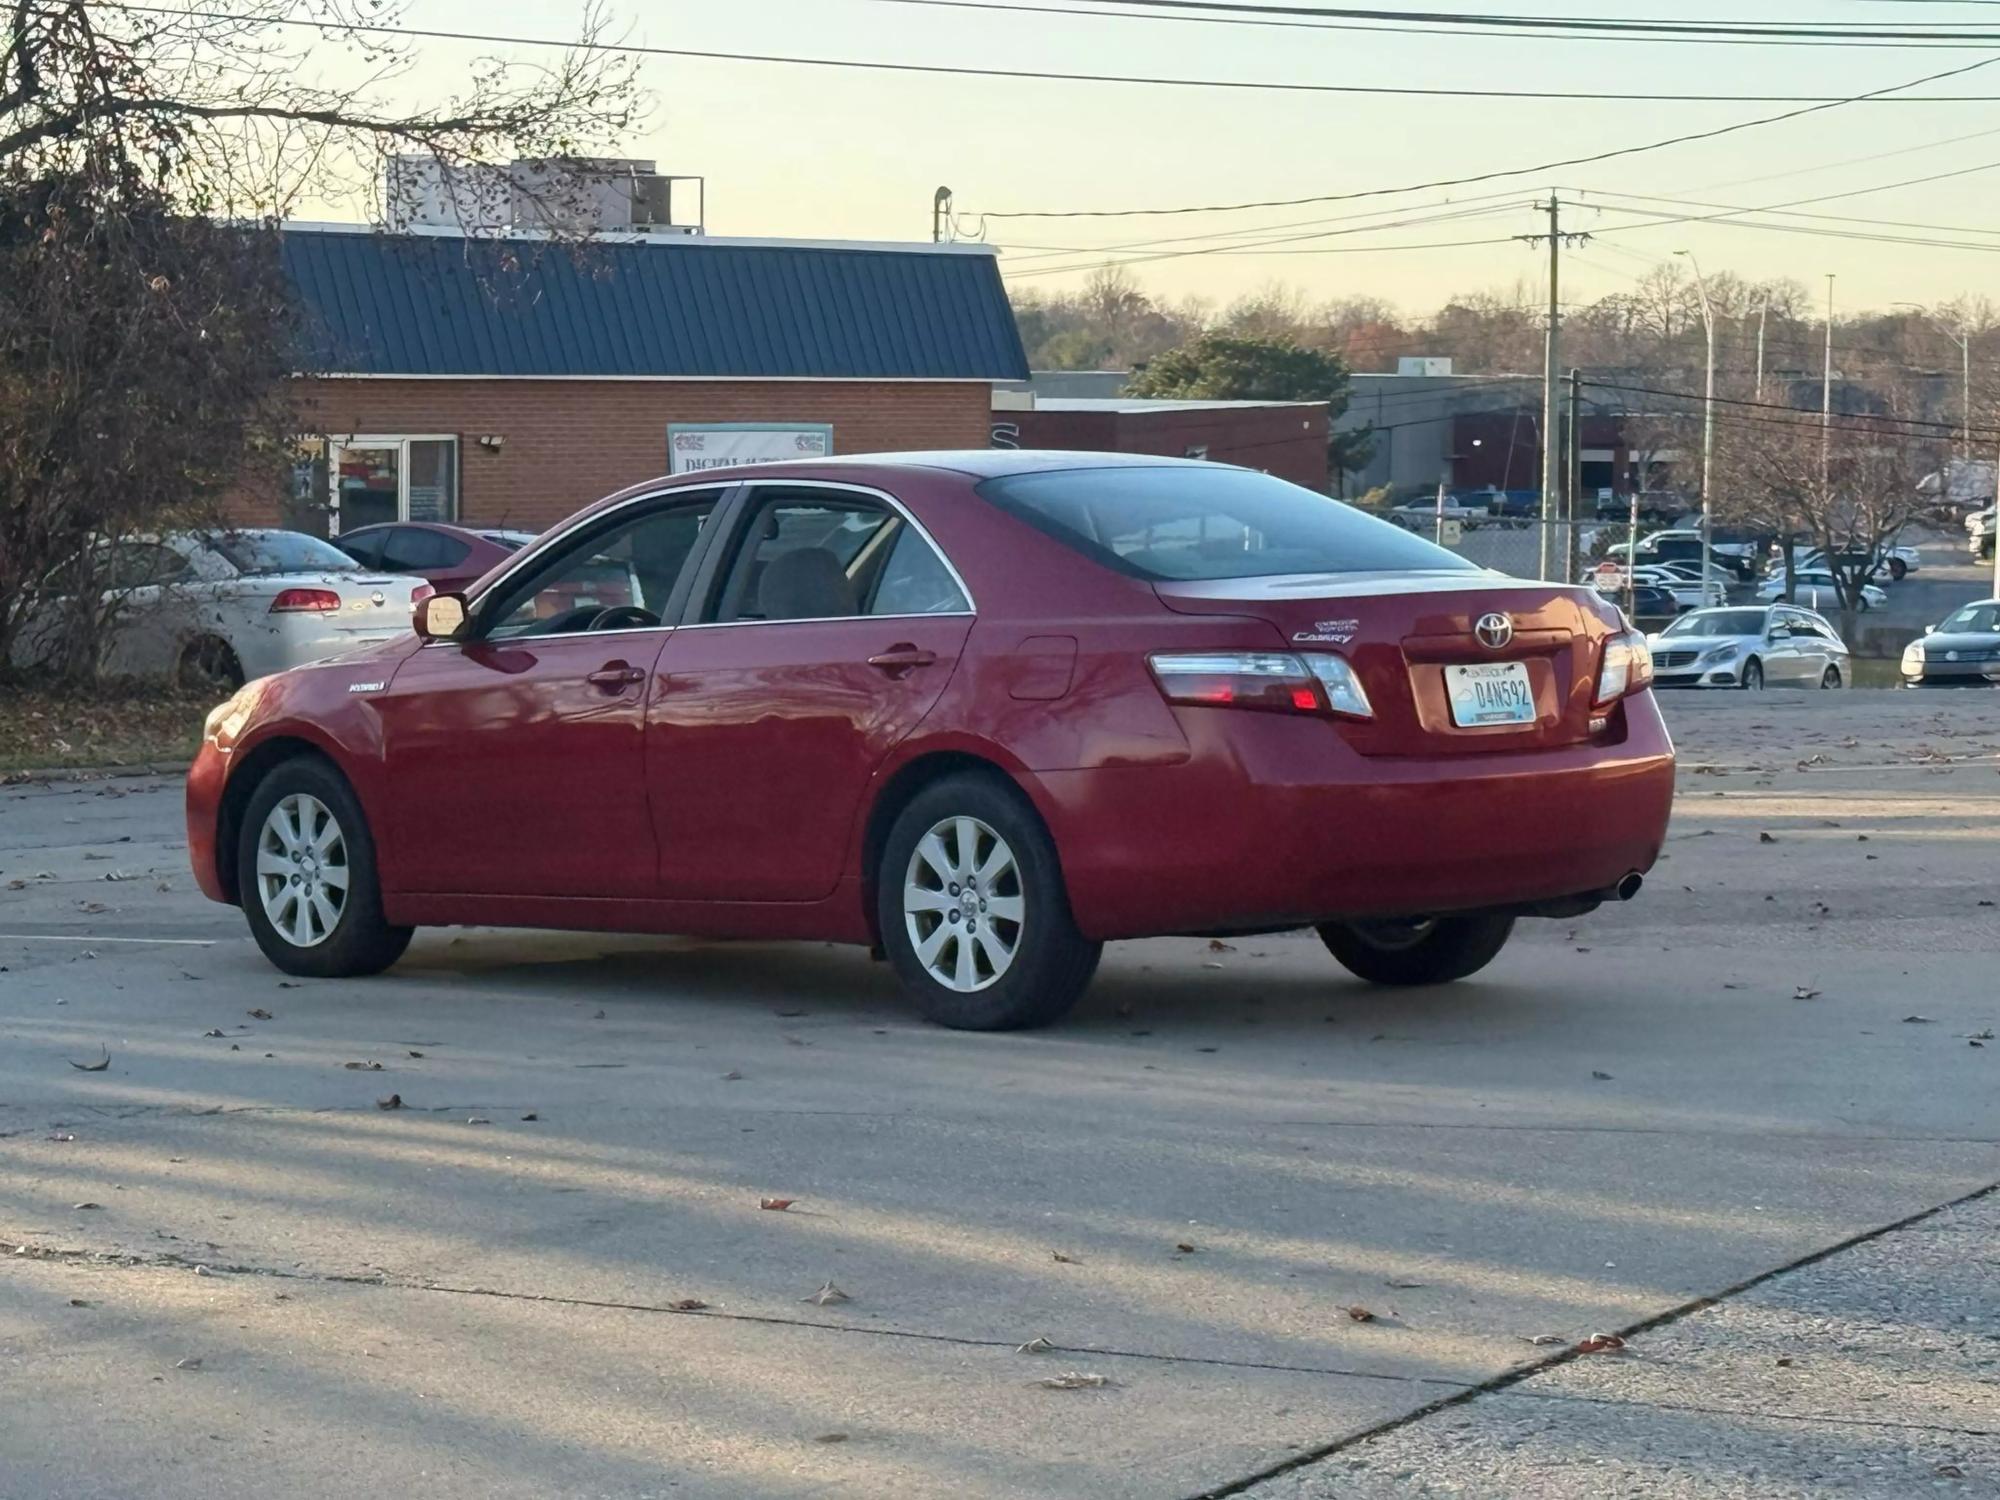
<point>1401,632</point>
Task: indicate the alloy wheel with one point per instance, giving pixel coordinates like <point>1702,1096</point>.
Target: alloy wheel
<point>302,870</point>
<point>963,904</point>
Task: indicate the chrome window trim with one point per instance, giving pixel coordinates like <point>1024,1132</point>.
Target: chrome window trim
<point>751,486</point>
<point>549,539</point>
<point>956,614</point>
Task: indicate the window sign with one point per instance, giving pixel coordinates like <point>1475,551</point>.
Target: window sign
<point>695,446</point>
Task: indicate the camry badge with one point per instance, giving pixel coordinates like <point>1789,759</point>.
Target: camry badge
<point>1494,631</point>
<point>366,687</point>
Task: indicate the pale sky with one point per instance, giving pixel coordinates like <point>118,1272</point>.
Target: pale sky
<point>818,153</point>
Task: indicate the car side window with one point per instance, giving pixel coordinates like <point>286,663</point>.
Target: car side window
<point>806,555</point>
<point>364,546</point>
<point>136,565</point>
<point>631,565</point>
<point>915,580</point>
<point>412,550</point>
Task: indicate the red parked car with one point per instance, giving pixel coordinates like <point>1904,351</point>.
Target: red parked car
<point>982,711</point>
<point>448,557</point>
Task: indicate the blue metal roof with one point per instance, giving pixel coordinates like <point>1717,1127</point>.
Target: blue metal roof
<point>377,304</point>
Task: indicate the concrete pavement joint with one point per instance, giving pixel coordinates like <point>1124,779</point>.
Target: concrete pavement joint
<point>1528,1371</point>
<point>173,1262</point>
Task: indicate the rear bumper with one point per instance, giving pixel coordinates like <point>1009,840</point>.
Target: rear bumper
<point>1275,822</point>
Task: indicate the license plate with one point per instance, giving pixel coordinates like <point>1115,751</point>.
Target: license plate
<point>1491,693</point>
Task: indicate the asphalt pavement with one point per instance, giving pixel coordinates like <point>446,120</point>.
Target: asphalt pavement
<point>1241,1225</point>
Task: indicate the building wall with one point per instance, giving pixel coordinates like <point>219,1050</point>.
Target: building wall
<point>569,442</point>
<point>1288,441</point>
<point>1412,416</point>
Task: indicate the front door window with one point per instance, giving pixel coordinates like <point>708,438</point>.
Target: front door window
<point>385,479</point>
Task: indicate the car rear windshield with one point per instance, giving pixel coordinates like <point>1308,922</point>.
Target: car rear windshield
<point>1719,622</point>
<point>281,552</point>
<point>1195,523</point>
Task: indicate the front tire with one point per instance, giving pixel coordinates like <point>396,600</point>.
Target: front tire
<point>1753,677</point>
<point>972,911</point>
<point>1898,569</point>
<point>306,875</point>
<point>1435,951</point>
<point>1830,678</point>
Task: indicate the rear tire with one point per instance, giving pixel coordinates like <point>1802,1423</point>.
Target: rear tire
<point>208,663</point>
<point>1753,676</point>
<point>1434,952</point>
<point>972,911</point>
<point>1830,678</point>
<point>1897,569</point>
<point>306,875</point>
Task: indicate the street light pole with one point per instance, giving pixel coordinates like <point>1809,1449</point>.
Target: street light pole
<point>1707,430</point>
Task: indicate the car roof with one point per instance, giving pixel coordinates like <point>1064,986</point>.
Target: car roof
<point>978,463</point>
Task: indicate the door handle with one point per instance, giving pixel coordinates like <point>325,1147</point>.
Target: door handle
<point>900,658</point>
<point>615,676</point>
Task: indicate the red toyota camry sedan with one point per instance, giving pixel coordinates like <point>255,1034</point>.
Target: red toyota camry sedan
<point>983,712</point>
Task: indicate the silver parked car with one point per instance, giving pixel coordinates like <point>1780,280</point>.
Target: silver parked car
<point>222,607</point>
<point>1962,652</point>
<point>1756,646</point>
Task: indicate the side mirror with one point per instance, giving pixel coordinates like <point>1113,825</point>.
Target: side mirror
<point>441,617</point>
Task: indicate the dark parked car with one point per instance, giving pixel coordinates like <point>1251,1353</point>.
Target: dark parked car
<point>986,710</point>
<point>1962,652</point>
<point>450,557</point>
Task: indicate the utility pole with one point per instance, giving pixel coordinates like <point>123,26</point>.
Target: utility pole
<point>1763,312</point>
<point>1551,355</point>
<point>1707,430</point>
<point>1826,394</point>
<point>1573,485</point>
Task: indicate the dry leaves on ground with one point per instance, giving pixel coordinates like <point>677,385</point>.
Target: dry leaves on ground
<point>1359,1313</point>
<point>1601,1343</point>
<point>259,1014</point>
<point>776,1205</point>
<point>96,1067</point>
<point>1035,1345</point>
<point>394,1101</point>
<point>688,1304</point>
<point>827,1295</point>
<point>1073,1380</point>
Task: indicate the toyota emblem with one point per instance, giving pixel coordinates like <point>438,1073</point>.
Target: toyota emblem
<point>1494,631</point>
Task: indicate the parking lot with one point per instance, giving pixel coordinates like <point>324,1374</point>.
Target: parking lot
<point>506,1221</point>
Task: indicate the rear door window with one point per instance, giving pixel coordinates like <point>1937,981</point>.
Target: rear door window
<point>364,546</point>
<point>1209,522</point>
<point>413,550</point>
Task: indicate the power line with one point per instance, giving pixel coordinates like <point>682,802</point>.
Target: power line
<point>1641,25</point>
<point>1916,41</point>
<point>1330,250</point>
<point>1450,182</point>
<point>948,70</point>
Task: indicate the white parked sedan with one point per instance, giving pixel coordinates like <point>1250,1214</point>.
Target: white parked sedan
<point>227,606</point>
<point>1818,590</point>
<point>1750,647</point>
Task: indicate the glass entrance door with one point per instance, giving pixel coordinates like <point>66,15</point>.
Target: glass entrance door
<point>381,479</point>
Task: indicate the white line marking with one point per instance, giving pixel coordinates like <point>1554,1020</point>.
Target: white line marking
<point>43,937</point>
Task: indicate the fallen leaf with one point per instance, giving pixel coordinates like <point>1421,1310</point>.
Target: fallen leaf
<point>1211,966</point>
<point>92,908</point>
<point>1802,993</point>
<point>1600,1077</point>
<point>827,1295</point>
<point>477,1120</point>
<point>357,1067</point>
<point>1916,1020</point>
<point>1184,1248</point>
<point>1359,1313</point>
<point>688,1304</point>
<point>776,1205</point>
<point>259,1014</point>
<point>732,1076</point>
<point>1216,945</point>
<point>187,1364</point>
<point>1548,1338</point>
<point>1073,1380</point>
<point>96,1067</point>
<point>530,1117</point>
<point>394,1101</point>
<point>1601,1343</point>
<point>1785,1360</point>
<point>416,1054</point>
<point>1064,1260</point>
<point>1765,838</point>
<point>831,1437</point>
<point>218,1031</point>
<point>289,984</point>
<point>598,1017</point>
<point>1949,1471</point>
<point>78,1302</point>
<point>1035,1345</point>
<point>80,1206</point>
<point>1404,1286</point>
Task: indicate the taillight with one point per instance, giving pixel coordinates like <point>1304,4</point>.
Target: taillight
<point>420,593</point>
<point>294,601</point>
<point>1280,681</point>
<point>1628,667</point>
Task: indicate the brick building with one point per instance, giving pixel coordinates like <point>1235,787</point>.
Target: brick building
<point>508,381</point>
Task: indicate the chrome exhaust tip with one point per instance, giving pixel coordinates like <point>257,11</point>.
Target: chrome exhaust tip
<point>1630,885</point>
